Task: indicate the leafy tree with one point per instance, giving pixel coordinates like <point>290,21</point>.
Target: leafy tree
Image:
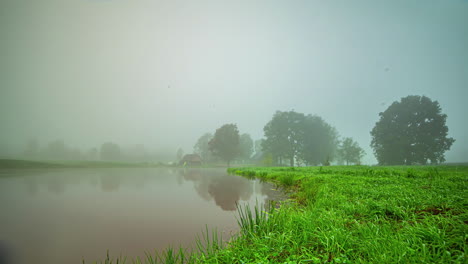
<point>258,147</point>
<point>349,151</point>
<point>202,148</point>
<point>295,136</point>
<point>282,136</point>
<point>110,151</point>
<point>246,147</point>
<point>319,141</point>
<point>225,143</point>
<point>411,131</point>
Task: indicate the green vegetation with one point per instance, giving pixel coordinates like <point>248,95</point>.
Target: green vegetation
<point>295,136</point>
<point>361,214</point>
<point>202,148</point>
<point>225,143</point>
<point>349,152</point>
<point>349,214</point>
<point>411,131</point>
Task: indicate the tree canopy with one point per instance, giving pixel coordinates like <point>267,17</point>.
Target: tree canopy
<point>202,148</point>
<point>411,131</point>
<point>319,141</point>
<point>295,136</point>
<point>349,151</point>
<point>225,143</point>
<point>246,146</point>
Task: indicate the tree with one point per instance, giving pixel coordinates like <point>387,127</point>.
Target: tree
<point>282,136</point>
<point>258,147</point>
<point>110,151</point>
<point>411,131</point>
<point>295,136</point>
<point>225,143</point>
<point>319,141</point>
<point>202,148</point>
<point>246,147</point>
<point>349,151</point>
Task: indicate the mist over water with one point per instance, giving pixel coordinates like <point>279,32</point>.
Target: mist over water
<point>160,74</point>
<point>62,216</point>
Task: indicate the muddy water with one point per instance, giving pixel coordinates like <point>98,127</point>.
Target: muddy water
<point>64,216</point>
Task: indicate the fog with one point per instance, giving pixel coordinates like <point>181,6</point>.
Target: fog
<point>163,73</point>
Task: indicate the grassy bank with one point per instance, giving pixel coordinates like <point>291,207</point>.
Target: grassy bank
<point>361,214</point>
<point>355,214</point>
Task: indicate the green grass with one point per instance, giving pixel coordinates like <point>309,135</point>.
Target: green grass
<point>363,214</point>
<point>352,214</point>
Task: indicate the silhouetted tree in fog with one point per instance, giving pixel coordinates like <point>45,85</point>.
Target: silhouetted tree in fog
<point>202,148</point>
<point>246,147</point>
<point>258,147</point>
<point>349,151</point>
<point>411,131</point>
<point>295,136</point>
<point>225,143</point>
<point>319,141</point>
<point>282,136</point>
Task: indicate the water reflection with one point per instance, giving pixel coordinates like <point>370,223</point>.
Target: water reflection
<point>110,181</point>
<point>226,190</point>
<point>58,216</point>
<point>210,184</point>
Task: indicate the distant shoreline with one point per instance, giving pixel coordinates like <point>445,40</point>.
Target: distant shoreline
<point>31,164</point>
<point>77,164</point>
<point>62,164</point>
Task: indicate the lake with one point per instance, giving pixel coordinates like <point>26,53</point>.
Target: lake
<point>65,215</point>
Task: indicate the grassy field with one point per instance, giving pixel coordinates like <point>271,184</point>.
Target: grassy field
<point>363,214</point>
<point>355,214</point>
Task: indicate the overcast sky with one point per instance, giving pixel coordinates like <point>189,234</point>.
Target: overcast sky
<point>162,73</point>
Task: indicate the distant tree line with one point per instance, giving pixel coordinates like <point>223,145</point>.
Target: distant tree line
<point>290,138</point>
<point>411,131</point>
<point>108,151</point>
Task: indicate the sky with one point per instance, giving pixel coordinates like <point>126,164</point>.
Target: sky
<point>162,73</point>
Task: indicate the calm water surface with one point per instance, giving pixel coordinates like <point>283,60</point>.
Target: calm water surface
<point>63,216</point>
